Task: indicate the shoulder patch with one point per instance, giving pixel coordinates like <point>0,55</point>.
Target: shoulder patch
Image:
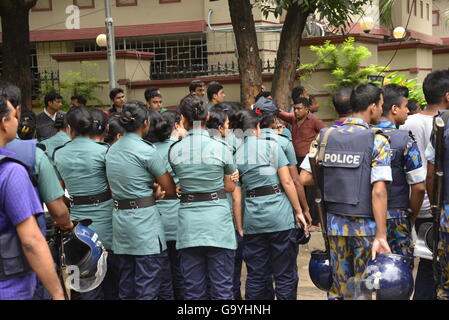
<point>59,148</point>
<point>41,146</point>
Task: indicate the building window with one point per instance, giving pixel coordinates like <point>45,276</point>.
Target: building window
<point>84,4</point>
<point>421,7</point>
<point>436,18</point>
<point>125,3</point>
<point>43,5</point>
<point>428,11</point>
<point>168,1</point>
<point>415,8</point>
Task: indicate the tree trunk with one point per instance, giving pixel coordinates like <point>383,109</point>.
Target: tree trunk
<point>250,65</point>
<point>288,55</point>
<point>16,46</point>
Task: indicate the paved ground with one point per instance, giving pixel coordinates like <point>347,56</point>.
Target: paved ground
<point>306,289</point>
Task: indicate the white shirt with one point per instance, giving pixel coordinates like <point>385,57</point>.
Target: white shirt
<point>52,117</point>
<point>421,127</point>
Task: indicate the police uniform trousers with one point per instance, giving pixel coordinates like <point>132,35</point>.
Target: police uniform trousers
<point>271,254</point>
<point>108,289</point>
<point>141,277</point>
<point>172,286</point>
<point>443,254</point>
<point>349,258</point>
<point>238,268</point>
<point>208,273</point>
<point>399,238</point>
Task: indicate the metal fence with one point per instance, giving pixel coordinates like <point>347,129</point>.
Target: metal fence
<point>44,82</point>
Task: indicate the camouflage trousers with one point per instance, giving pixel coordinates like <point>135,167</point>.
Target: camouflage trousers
<point>349,258</point>
<point>443,254</point>
<point>399,237</point>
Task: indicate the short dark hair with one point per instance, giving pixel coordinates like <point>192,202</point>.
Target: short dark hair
<point>196,84</point>
<point>80,99</point>
<point>342,101</point>
<point>153,95</point>
<point>435,86</point>
<point>213,88</point>
<point>304,101</point>
<point>149,92</point>
<point>4,110</point>
<point>217,117</point>
<point>115,92</point>
<point>51,96</point>
<point>297,91</point>
<point>393,95</point>
<point>12,93</point>
<point>412,105</point>
<point>364,95</point>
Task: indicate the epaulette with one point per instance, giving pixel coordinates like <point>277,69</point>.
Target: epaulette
<point>380,132</point>
<point>286,137</point>
<point>103,144</point>
<point>148,142</point>
<point>41,146</point>
<point>59,148</point>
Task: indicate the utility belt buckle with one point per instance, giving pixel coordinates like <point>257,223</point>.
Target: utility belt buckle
<point>252,193</point>
<point>276,188</point>
<point>71,201</point>
<point>134,204</point>
<point>190,197</point>
<point>214,197</point>
<point>94,201</point>
<point>116,204</point>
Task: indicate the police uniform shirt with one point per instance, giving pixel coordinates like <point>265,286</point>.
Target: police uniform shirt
<point>200,163</point>
<point>169,208</point>
<point>285,143</point>
<point>54,142</point>
<point>258,161</point>
<point>339,225</point>
<point>81,164</point>
<point>132,165</point>
<point>287,133</point>
<point>413,166</point>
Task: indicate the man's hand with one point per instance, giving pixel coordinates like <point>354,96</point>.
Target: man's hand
<point>380,245</point>
<point>308,217</point>
<point>235,176</point>
<point>300,218</point>
<point>159,194</point>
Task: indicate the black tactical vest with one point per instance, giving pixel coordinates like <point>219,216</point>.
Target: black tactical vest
<point>346,173</point>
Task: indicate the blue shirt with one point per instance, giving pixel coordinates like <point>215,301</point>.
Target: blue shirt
<point>18,202</point>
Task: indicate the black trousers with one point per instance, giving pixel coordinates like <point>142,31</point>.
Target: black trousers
<point>310,197</point>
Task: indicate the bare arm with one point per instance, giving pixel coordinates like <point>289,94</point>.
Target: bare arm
<point>379,203</point>
<point>60,213</point>
<point>229,185</point>
<point>290,191</point>
<point>237,209</point>
<point>416,199</point>
<point>301,193</point>
<point>38,255</point>
<point>287,117</point>
<point>167,184</point>
<point>306,178</point>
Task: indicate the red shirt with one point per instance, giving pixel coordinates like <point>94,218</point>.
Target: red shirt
<point>304,134</point>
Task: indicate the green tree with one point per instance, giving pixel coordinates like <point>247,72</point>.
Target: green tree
<point>337,12</point>
<point>16,45</point>
<point>344,64</point>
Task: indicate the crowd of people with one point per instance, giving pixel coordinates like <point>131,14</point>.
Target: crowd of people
<point>180,198</point>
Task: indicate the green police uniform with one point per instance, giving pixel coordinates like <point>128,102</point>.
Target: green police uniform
<point>200,163</point>
<point>284,142</point>
<point>81,164</point>
<point>54,142</point>
<point>131,166</point>
<point>168,208</point>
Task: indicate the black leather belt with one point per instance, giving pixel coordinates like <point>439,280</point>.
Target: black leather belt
<point>265,191</point>
<point>208,196</point>
<point>92,200</point>
<point>134,203</point>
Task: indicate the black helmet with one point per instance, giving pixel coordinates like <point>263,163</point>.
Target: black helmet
<point>320,270</point>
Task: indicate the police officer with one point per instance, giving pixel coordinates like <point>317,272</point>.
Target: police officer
<point>166,129</point>
<point>436,91</point>
<point>115,129</point>
<point>269,239</point>
<point>406,192</point>
<point>100,125</point>
<point>132,166</point>
<point>356,169</point>
<point>206,239</point>
<point>22,246</point>
<point>81,165</point>
<point>60,138</point>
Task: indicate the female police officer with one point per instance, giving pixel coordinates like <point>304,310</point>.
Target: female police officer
<point>81,165</point>
<point>132,166</point>
<point>269,242</point>
<point>206,238</point>
<point>60,138</point>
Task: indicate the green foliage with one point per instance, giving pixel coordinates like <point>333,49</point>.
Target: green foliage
<point>83,82</point>
<point>343,63</point>
<point>415,88</point>
<point>337,12</point>
<point>386,11</point>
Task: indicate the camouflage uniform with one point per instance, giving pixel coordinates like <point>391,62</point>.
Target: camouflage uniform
<point>351,238</point>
